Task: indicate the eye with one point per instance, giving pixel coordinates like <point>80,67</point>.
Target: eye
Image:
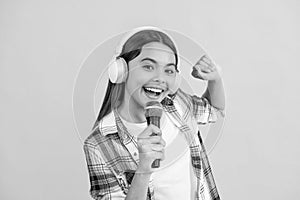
<point>148,67</point>
<point>170,71</point>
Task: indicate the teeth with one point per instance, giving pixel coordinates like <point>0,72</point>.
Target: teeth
<point>154,90</point>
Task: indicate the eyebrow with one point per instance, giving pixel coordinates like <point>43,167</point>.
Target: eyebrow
<point>155,62</point>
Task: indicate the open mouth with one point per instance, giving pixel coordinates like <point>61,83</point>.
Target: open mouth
<point>153,92</point>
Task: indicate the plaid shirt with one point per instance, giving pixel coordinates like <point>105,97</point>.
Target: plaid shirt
<point>112,155</point>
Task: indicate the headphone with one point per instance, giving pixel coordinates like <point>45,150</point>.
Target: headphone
<point>118,69</point>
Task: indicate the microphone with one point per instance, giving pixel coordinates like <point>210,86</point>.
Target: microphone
<point>153,114</point>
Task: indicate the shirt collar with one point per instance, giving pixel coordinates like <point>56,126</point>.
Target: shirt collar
<point>112,124</point>
<point>108,125</point>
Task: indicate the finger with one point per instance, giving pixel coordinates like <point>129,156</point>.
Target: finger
<point>156,133</point>
<point>157,147</point>
<point>144,148</point>
<point>158,155</point>
<point>206,59</point>
<point>150,148</point>
<point>143,143</point>
<point>211,63</point>
<point>201,58</point>
<point>149,140</point>
<point>202,62</point>
<point>213,68</point>
<point>154,129</point>
<point>208,63</point>
<point>195,73</point>
<point>153,154</point>
<point>202,69</point>
<point>203,75</point>
<point>149,131</point>
<point>159,141</point>
<point>155,139</point>
<point>205,69</point>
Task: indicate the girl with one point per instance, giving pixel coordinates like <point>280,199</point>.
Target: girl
<point>121,148</point>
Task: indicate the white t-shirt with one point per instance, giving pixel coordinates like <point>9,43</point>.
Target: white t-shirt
<point>175,179</point>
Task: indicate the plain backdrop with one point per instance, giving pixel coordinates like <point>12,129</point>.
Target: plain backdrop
<point>44,43</point>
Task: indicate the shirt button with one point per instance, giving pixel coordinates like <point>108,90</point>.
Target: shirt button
<point>135,154</point>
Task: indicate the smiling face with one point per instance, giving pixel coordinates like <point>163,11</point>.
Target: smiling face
<point>151,76</point>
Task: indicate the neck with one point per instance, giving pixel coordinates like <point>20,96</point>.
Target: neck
<point>131,112</point>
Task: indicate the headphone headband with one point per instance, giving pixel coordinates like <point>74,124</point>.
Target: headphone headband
<point>130,33</point>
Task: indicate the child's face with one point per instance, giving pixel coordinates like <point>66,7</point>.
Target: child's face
<point>151,75</point>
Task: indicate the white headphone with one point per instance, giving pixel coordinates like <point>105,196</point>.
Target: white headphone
<point>118,69</point>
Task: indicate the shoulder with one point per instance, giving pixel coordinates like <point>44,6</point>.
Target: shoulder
<point>94,139</point>
<point>184,99</point>
<point>106,126</point>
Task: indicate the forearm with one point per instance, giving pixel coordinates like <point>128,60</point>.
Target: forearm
<point>139,187</point>
<point>215,93</point>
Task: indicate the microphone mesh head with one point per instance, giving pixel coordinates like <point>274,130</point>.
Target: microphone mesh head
<point>153,109</point>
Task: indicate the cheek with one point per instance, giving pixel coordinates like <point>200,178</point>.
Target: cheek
<point>136,80</point>
<point>138,75</point>
<point>171,81</point>
<point>173,84</point>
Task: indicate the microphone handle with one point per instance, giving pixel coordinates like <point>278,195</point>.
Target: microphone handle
<point>155,121</point>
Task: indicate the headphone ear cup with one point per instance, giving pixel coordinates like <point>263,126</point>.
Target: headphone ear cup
<point>117,70</point>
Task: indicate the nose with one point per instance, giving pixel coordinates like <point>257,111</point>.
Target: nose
<point>159,76</point>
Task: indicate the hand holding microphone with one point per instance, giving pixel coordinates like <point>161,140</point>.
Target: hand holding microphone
<point>150,142</point>
<point>153,115</point>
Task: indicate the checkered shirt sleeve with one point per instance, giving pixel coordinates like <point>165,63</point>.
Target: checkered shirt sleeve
<point>202,110</point>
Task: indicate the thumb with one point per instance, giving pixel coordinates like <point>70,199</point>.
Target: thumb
<point>149,131</point>
<point>197,73</point>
